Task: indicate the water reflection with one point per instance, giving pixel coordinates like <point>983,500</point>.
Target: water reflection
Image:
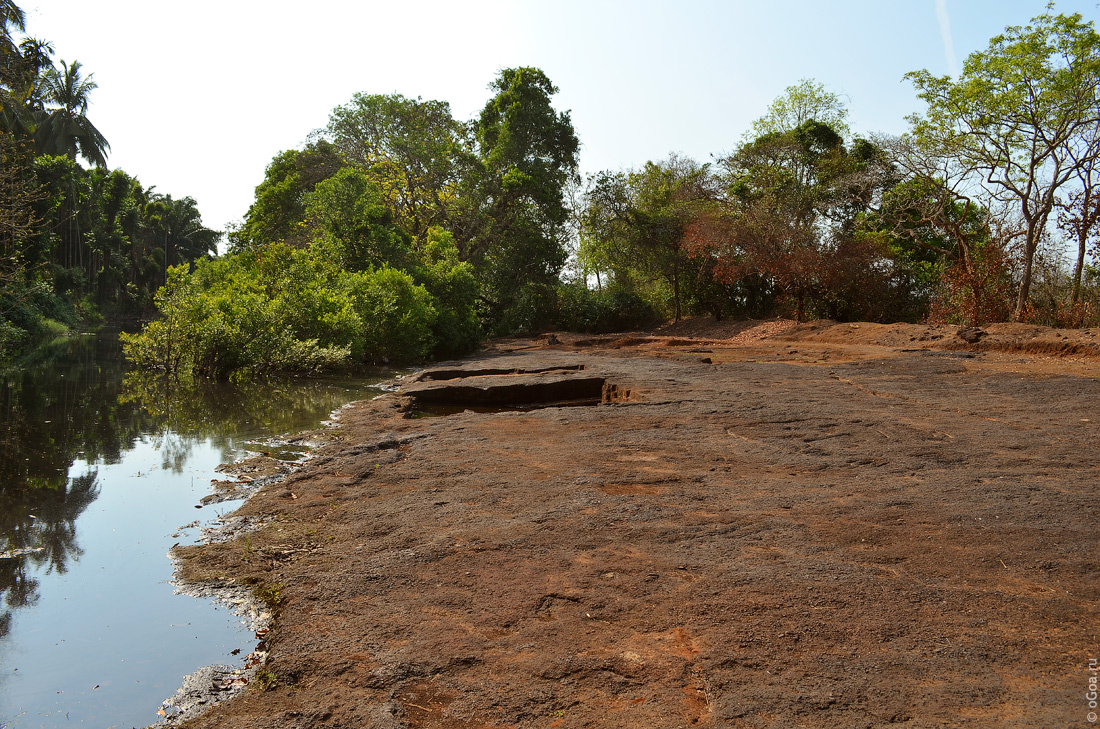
<point>58,406</point>
<point>225,413</point>
<point>68,412</point>
<point>39,524</point>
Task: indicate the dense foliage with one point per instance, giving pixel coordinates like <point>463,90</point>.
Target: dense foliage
<point>76,244</point>
<point>398,233</point>
<point>395,235</point>
<point>527,154</point>
<point>304,310</point>
<point>962,219</point>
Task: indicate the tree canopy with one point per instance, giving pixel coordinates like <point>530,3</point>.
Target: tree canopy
<point>527,153</point>
<point>1017,116</point>
<point>76,244</point>
<point>398,232</point>
<point>413,150</point>
<point>806,101</point>
<point>635,223</point>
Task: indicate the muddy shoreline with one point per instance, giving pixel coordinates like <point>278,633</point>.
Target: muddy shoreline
<point>746,525</point>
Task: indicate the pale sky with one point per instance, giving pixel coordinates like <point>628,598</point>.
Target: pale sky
<point>197,97</point>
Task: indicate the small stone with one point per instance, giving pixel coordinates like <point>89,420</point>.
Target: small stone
<point>971,335</point>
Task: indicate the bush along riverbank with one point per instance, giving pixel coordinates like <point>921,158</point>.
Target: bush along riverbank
<point>303,310</point>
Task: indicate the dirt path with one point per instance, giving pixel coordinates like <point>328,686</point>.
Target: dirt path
<point>821,528</point>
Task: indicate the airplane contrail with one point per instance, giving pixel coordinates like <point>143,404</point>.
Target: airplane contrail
<point>945,33</point>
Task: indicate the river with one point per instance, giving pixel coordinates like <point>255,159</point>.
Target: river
<point>98,477</point>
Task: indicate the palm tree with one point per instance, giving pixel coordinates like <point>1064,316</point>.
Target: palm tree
<point>40,101</point>
<point>177,225</point>
<point>11,16</point>
<point>65,129</point>
<point>21,65</point>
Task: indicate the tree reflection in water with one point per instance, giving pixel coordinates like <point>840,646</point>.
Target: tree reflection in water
<point>70,403</point>
<point>39,525</point>
<point>227,413</point>
<point>56,407</point>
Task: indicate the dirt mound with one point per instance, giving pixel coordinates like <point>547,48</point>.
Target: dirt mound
<point>1006,337</point>
<point>1023,338</point>
<point>709,328</point>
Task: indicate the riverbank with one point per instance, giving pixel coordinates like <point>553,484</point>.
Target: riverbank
<point>741,525</point>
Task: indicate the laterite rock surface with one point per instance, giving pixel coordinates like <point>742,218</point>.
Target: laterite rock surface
<point>816,528</point>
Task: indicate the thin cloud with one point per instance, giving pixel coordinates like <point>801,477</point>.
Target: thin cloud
<point>945,33</point>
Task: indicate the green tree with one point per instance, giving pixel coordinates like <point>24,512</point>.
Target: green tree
<point>178,224</point>
<point>397,315</point>
<point>65,128</point>
<point>527,152</point>
<point>18,219</point>
<point>19,227</point>
<point>11,16</point>
<point>350,209</point>
<point>21,65</point>
<point>947,236</point>
<point>413,150</point>
<point>634,226</point>
<point>1014,114</point>
<point>282,310</point>
<point>221,322</point>
<point>453,287</point>
<point>105,240</point>
<point>12,20</point>
<point>278,213</point>
<point>933,212</point>
<point>21,103</point>
<point>806,101</point>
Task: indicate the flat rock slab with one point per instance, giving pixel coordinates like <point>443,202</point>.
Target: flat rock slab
<point>802,533</point>
<point>457,373</point>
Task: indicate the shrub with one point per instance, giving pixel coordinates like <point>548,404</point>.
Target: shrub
<point>220,323</point>
<point>978,292</point>
<point>532,308</point>
<point>396,315</point>
<point>583,310</point>
<point>454,290</point>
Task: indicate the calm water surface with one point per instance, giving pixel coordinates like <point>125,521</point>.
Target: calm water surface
<point>97,475</point>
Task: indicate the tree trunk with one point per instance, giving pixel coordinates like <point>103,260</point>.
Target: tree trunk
<point>676,291</point>
<point>1025,286</point>
<point>1079,269</point>
<point>1035,225</point>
